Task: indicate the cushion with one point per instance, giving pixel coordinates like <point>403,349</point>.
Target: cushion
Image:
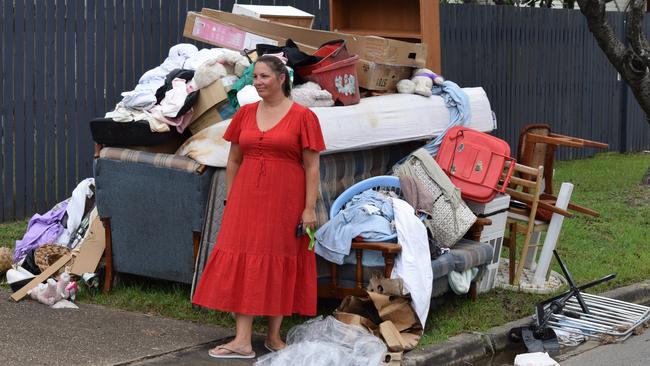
<point>108,132</point>
<point>469,254</point>
<point>159,160</point>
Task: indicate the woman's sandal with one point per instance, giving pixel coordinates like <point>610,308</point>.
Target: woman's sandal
<point>271,349</point>
<point>231,353</point>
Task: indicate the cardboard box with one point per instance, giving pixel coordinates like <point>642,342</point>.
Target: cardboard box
<point>217,33</point>
<point>381,77</point>
<point>91,247</point>
<point>211,107</point>
<point>278,14</point>
<point>214,115</point>
<point>370,48</point>
<point>209,97</point>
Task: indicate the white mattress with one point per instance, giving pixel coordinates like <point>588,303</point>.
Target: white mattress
<point>394,118</point>
<point>375,121</point>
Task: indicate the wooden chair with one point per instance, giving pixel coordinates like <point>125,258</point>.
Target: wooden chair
<point>389,247</point>
<point>525,186</point>
<point>537,145</point>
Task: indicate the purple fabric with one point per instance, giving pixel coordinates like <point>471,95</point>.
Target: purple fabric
<point>42,229</point>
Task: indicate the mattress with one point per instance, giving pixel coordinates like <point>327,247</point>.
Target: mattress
<point>394,118</point>
<point>374,122</point>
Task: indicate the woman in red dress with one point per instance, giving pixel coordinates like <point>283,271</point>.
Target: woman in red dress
<point>259,266</point>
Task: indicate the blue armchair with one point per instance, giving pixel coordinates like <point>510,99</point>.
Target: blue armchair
<point>152,206</point>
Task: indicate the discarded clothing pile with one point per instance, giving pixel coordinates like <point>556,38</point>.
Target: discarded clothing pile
<point>376,216</point>
<point>164,98</point>
<point>59,233</point>
<point>64,224</point>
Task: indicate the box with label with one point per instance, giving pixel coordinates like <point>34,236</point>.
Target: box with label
<point>370,48</point>
<point>205,29</point>
<point>278,14</point>
<point>381,77</point>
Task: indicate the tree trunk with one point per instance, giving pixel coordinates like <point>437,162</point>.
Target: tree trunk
<point>632,61</point>
<point>646,178</point>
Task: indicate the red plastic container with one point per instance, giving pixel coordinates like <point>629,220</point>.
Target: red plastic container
<point>475,161</point>
<point>340,79</point>
<point>330,52</point>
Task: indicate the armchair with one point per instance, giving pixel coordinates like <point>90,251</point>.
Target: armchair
<point>152,206</point>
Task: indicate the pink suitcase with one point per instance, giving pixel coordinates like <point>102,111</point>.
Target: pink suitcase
<point>475,161</point>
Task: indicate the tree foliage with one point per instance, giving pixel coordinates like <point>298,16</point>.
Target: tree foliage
<point>632,58</point>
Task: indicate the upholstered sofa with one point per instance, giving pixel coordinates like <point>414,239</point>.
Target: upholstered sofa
<point>163,213</point>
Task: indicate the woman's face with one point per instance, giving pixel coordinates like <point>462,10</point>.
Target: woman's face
<point>265,81</point>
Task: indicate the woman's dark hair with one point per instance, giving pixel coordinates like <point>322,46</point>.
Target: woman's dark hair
<point>278,68</point>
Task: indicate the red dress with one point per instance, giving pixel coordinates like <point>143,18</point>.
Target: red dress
<point>258,265</point>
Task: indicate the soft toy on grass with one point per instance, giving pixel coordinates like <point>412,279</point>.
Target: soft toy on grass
<point>5,260</point>
<point>420,83</point>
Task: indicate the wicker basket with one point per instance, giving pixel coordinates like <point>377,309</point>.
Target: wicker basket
<point>47,254</point>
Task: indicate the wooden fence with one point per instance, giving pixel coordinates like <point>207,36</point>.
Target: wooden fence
<point>64,62</point>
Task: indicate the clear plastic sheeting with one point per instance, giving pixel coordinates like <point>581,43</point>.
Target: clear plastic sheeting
<point>325,342</point>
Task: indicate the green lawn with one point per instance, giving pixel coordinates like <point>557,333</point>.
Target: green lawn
<point>617,241</point>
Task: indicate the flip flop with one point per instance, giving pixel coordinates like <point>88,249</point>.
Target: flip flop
<point>271,349</point>
<point>232,354</point>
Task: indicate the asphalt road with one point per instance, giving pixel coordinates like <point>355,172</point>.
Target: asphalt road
<point>635,351</point>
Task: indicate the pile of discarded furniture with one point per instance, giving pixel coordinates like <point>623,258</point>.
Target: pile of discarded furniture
<point>159,170</point>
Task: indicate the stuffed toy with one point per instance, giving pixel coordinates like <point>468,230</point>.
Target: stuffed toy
<point>45,293</point>
<point>420,83</point>
<point>5,260</point>
<point>51,291</point>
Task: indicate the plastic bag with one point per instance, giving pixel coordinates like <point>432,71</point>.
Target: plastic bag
<point>324,342</point>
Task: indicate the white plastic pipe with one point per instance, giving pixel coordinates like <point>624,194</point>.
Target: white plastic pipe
<point>552,234</point>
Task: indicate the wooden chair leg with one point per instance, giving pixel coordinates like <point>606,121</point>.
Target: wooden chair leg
<point>196,240</point>
<point>108,256</point>
<point>512,247</point>
<point>389,263</point>
<point>473,291</point>
<point>359,269</point>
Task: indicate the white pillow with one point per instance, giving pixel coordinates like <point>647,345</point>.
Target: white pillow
<point>208,146</point>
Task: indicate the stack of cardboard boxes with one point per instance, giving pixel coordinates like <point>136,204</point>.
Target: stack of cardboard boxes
<point>382,62</point>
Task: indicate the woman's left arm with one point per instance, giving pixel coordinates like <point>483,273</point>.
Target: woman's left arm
<point>311,162</point>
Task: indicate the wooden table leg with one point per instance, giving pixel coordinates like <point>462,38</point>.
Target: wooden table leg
<point>108,255</point>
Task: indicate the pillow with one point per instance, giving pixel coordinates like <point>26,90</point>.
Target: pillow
<point>208,146</point>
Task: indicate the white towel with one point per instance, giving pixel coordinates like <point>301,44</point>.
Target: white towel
<point>413,264</point>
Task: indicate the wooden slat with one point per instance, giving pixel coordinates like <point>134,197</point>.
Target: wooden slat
<point>59,103</point>
<point>522,182</point>
<point>38,166</point>
<point>51,114</point>
<point>120,83</point>
<point>30,106</point>
<point>83,113</point>
<point>69,138</point>
<point>526,170</point>
<point>20,89</point>
<point>382,247</point>
<point>93,86</point>
<point>7,109</point>
<point>131,78</point>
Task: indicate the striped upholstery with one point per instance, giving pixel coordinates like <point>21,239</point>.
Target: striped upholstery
<point>339,171</point>
<point>442,265</point>
<point>468,254</point>
<point>160,160</point>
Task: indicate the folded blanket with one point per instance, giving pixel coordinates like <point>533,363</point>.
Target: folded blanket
<point>208,146</point>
